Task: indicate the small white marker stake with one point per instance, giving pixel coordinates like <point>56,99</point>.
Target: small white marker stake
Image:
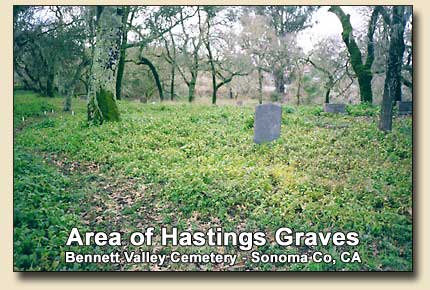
<point>44,112</point>
<point>73,113</point>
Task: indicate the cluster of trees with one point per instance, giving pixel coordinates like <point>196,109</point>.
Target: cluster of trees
<point>395,20</point>
<point>103,51</point>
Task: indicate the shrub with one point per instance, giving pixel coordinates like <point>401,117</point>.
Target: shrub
<point>275,97</point>
<point>362,110</point>
<point>289,109</point>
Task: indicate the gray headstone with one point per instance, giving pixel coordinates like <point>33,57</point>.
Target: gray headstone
<point>334,108</point>
<point>267,123</point>
<point>405,108</point>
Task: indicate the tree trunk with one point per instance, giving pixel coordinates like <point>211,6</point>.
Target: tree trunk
<point>172,58</point>
<point>68,101</point>
<point>394,67</point>
<point>260,86</point>
<point>299,87</point>
<point>41,89</point>
<point>86,85</point>
<point>191,88</point>
<point>101,99</point>
<point>365,85</point>
<point>50,84</point>
<point>362,70</point>
<point>145,61</point>
<point>70,90</point>
<point>327,96</point>
<point>214,93</point>
<point>211,60</point>
<point>27,85</point>
<point>122,53</point>
<point>408,84</point>
<point>213,72</point>
<point>172,81</point>
<point>120,74</point>
<point>398,94</point>
<point>279,82</point>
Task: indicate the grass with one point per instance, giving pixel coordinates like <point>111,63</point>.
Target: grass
<point>195,166</point>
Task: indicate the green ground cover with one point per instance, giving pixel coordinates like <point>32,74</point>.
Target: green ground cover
<point>196,167</point>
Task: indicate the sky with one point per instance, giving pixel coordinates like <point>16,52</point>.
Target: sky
<point>327,25</point>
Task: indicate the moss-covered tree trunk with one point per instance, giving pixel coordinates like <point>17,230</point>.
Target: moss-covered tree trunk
<point>363,70</point>
<point>393,77</point>
<point>365,85</point>
<point>101,98</point>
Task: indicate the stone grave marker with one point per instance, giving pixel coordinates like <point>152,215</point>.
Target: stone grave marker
<point>335,108</point>
<point>405,108</point>
<point>267,123</point>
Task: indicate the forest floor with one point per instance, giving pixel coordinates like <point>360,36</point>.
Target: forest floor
<point>196,167</point>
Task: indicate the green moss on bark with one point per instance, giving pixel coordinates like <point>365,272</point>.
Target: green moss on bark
<point>362,70</point>
<point>105,109</point>
<point>107,105</point>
